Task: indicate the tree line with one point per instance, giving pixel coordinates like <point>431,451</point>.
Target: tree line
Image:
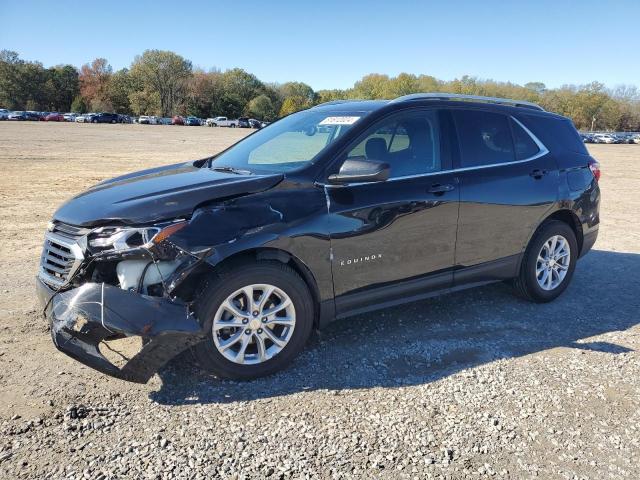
<point>164,83</point>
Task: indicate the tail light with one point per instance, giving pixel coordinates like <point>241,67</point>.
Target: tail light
<point>594,166</point>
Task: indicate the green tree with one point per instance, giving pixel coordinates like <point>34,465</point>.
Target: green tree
<point>145,102</point>
<point>292,105</point>
<point>120,86</point>
<point>237,89</point>
<point>262,108</point>
<point>64,86</point>
<point>164,74</point>
<point>78,105</point>
<point>12,92</point>
<point>370,87</point>
<point>298,89</point>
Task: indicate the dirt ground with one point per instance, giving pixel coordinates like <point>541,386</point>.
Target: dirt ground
<point>564,378</point>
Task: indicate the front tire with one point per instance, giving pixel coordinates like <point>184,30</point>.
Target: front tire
<point>258,317</point>
<point>548,263</point>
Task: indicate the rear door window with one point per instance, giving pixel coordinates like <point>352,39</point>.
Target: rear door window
<point>485,138</point>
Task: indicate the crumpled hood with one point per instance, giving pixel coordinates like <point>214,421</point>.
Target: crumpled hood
<point>157,194</point>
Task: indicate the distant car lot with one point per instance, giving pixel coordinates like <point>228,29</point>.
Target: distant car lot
<point>610,138</point>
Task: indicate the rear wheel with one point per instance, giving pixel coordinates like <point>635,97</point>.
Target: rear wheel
<point>548,263</point>
<point>258,317</point>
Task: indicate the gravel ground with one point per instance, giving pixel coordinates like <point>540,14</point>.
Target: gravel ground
<point>472,385</point>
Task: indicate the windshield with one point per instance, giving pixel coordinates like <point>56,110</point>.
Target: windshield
<point>289,144</point>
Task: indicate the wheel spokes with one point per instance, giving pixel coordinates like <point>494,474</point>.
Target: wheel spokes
<point>273,337</point>
<point>231,341</point>
<point>281,306</point>
<point>254,324</point>
<point>233,309</point>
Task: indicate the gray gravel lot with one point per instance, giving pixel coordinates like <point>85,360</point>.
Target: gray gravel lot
<point>476,384</point>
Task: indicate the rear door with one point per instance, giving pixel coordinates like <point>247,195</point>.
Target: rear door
<point>508,182</point>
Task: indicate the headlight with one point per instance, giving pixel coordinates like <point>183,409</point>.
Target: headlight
<point>121,239</point>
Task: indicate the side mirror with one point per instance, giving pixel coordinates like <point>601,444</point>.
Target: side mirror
<point>360,171</point>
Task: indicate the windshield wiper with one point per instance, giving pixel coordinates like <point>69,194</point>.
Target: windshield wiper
<point>237,171</point>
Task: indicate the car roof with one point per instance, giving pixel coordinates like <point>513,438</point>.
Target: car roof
<point>505,105</point>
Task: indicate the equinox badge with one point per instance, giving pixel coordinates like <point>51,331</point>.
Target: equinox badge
<point>367,258</point>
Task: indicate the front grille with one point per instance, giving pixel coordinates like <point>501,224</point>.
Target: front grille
<point>61,254</point>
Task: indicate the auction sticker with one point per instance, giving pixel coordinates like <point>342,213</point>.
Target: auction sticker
<point>339,121</point>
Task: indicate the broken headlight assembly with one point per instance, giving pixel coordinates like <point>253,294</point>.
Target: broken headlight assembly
<point>123,239</point>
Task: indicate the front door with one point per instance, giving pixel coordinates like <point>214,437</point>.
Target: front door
<point>400,233</point>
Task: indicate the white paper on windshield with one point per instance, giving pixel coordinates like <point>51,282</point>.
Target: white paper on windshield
<point>339,121</point>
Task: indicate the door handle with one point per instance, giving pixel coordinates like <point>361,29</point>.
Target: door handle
<point>537,173</point>
<point>439,189</point>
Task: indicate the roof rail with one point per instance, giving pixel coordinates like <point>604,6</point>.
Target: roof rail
<point>338,102</point>
<point>458,96</point>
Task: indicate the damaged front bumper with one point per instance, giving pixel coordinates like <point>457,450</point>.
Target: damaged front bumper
<point>82,318</point>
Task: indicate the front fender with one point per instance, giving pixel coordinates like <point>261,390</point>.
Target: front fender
<point>292,220</point>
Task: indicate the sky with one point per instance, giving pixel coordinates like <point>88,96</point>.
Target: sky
<point>332,44</point>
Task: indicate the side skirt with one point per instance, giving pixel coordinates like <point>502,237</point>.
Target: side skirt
<point>432,286</point>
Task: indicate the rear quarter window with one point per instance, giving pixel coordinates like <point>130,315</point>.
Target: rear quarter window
<point>557,134</point>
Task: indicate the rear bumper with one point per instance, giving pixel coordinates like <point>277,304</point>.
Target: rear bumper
<point>83,317</point>
<point>588,241</point>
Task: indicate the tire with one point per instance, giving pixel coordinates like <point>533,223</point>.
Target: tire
<point>232,126</point>
<point>219,288</point>
<point>528,283</point>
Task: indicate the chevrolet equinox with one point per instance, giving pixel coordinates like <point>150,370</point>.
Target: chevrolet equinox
<point>337,210</point>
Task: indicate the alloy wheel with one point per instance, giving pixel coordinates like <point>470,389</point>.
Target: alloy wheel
<point>254,324</point>
<point>553,262</point>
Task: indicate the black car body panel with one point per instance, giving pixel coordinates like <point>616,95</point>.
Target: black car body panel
<point>358,246</point>
<point>157,194</point>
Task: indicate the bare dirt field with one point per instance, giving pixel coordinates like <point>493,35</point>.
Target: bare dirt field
<point>472,385</point>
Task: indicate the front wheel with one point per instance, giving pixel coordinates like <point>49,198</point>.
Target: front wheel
<point>548,263</point>
<point>258,317</point>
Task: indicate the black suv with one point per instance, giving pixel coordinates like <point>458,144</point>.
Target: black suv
<point>337,210</point>
<point>105,118</point>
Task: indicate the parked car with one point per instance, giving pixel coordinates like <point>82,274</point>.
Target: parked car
<point>192,122</point>
<point>144,120</point>
<point>221,122</point>
<point>587,137</point>
<point>54,117</point>
<point>604,138</point>
<point>104,118</point>
<point>253,123</point>
<point>17,115</point>
<point>636,139</point>
<point>85,118</point>
<point>177,120</point>
<point>69,117</point>
<point>33,116</point>
<point>4,114</point>
<point>282,233</point>
<point>243,122</point>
